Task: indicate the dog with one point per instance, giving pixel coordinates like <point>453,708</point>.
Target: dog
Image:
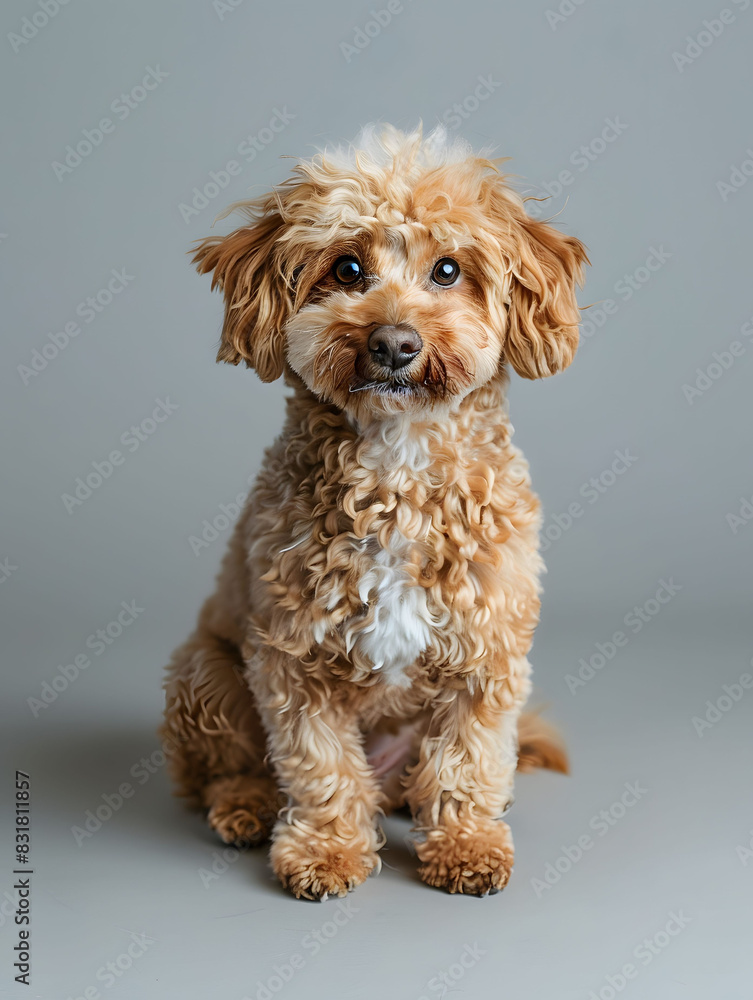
<point>366,646</point>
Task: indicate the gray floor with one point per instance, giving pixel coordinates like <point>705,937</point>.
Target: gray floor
<point>220,926</point>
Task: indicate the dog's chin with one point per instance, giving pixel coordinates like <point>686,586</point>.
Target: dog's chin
<point>369,399</point>
<point>389,388</point>
<point>366,398</point>
<point>386,396</point>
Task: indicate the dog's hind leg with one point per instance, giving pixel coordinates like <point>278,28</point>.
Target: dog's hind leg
<point>214,740</point>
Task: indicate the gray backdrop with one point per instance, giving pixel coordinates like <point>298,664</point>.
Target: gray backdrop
<point>635,120</point>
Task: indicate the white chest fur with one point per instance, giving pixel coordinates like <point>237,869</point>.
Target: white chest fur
<point>401,626</point>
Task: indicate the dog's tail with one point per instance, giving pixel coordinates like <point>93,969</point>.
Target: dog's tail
<point>540,745</point>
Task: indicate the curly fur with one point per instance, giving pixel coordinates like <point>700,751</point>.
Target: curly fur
<point>367,643</point>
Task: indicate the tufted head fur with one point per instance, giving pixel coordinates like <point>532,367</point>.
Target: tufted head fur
<point>381,214</point>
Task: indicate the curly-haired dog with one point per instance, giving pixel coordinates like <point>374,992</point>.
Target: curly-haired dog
<point>366,645</point>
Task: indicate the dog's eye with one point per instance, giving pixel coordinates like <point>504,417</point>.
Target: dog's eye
<point>446,271</point>
<point>347,270</point>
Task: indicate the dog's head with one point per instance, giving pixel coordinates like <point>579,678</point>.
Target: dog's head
<point>394,274</point>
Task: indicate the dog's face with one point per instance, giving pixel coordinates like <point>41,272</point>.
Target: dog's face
<point>394,276</point>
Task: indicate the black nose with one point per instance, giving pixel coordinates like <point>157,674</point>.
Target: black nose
<point>394,346</point>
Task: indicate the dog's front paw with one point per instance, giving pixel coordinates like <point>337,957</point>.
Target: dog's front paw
<point>473,860</point>
<point>239,824</point>
<point>243,809</point>
<point>315,869</point>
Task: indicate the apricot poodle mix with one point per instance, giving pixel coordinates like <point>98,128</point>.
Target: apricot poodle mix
<point>366,645</point>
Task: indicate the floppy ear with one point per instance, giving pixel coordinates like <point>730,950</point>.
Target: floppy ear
<point>543,316</point>
<point>247,266</point>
